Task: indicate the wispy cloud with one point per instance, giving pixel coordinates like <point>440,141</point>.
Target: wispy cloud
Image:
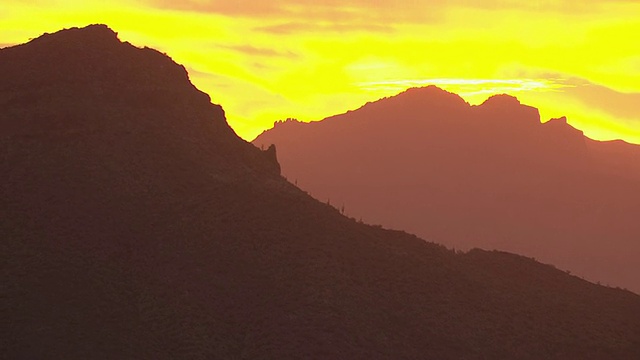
<point>301,27</point>
<point>391,10</point>
<point>624,105</point>
<point>343,11</point>
<point>259,51</point>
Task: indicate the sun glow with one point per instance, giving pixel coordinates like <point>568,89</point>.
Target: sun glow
<point>266,61</point>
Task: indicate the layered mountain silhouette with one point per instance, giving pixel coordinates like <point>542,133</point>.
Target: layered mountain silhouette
<point>490,176</point>
<point>136,225</point>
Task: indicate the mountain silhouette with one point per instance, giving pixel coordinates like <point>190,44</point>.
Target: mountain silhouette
<point>136,225</point>
<point>490,176</point>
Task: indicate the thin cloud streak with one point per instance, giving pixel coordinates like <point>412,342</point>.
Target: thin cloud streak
<point>465,87</point>
<point>389,11</point>
<point>624,105</point>
<point>258,51</point>
<point>299,27</point>
<point>359,11</point>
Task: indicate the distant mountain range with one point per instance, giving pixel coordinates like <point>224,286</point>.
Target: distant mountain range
<point>136,225</point>
<point>490,176</point>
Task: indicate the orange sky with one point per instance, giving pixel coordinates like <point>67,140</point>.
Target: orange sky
<point>269,60</point>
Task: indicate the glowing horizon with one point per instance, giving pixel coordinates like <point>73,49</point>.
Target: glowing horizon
<point>267,61</point>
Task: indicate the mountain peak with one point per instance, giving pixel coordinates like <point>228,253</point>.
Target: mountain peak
<point>431,93</point>
<point>561,120</point>
<point>562,126</point>
<point>510,111</point>
<point>95,33</point>
<point>429,89</point>
<point>418,99</point>
<point>89,65</point>
<point>92,83</point>
<point>502,100</point>
<point>91,54</point>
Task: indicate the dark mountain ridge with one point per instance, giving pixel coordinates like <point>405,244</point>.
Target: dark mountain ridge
<point>490,176</point>
<point>67,75</point>
<point>135,224</point>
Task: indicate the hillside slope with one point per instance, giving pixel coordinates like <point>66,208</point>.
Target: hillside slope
<point>490,176</point>
<point>135,224</point>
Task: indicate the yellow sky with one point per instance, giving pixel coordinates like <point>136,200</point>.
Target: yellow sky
<point>308,59</point>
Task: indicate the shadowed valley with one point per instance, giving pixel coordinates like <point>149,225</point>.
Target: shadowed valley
<point>136,224</point>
